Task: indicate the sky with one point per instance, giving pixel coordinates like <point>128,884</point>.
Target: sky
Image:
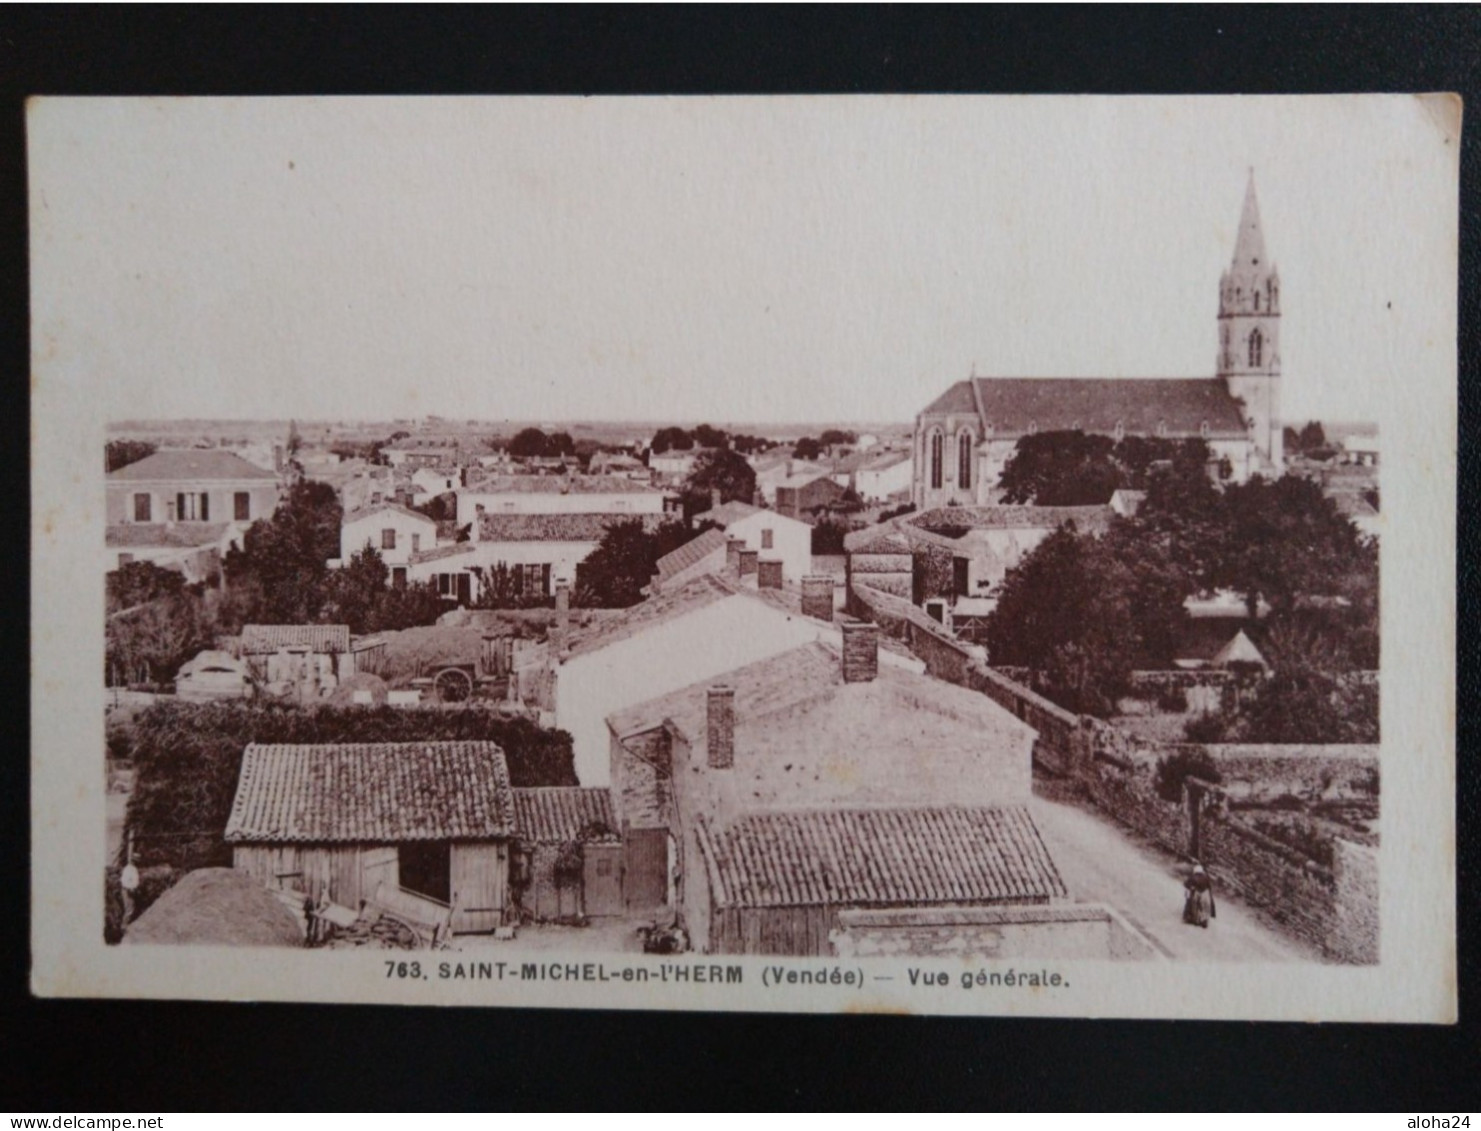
<point>726,259</point>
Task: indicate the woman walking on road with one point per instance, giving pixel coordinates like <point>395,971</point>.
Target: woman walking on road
<point>1198,901</point>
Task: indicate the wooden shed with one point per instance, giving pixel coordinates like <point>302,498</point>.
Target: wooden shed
<point>569,857</point>
<point>778,880</point>
<point>420,821</point>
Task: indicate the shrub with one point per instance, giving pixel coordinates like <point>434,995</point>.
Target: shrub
<point>1173,698</point>
<point>1175,769</point>
<point>1208,728</point>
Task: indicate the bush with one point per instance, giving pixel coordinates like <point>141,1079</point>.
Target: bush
<point>1175,769</point>
<point>1173,698</point>
<point>1210,728</point>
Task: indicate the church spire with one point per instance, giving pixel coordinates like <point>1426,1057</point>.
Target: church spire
<point>1249,247</point>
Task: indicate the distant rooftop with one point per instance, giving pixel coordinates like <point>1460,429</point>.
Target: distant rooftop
<point>192,465</point>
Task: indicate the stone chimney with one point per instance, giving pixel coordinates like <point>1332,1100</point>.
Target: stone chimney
<point>748,559</point>
<point>720,727</point>
<point>558,634</point>
<point>733,548</point>
<point>768,573</point>
<point>817,597</point>
<point>860,651</point>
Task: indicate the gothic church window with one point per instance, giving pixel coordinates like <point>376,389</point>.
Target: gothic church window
<point>964,460</point>
<point>1256,344</point>
<point>937,454</point>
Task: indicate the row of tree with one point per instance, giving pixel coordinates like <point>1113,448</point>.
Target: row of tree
<point>676,439</point>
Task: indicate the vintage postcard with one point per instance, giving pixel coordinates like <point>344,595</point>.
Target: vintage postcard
<point>936,554</point>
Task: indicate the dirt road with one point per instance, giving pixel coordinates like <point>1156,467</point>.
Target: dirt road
<point>1103,862</point>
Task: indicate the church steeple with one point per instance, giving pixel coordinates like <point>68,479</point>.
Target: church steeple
<point>1249,330</point>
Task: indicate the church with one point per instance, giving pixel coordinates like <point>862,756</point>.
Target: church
<point>965,437</point>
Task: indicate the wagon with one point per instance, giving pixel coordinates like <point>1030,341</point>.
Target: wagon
<point>488,677</point>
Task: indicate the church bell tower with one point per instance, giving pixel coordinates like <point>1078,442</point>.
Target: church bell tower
<point>1249,334</point>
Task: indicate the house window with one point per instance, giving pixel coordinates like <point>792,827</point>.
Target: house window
<point>1257,343</point>
<point>964,460</point>
<point>534,578</point>
<point>398,577</point>
<point>416,543</point>
<point>191,506</point>
<point>766,539</point>
<point>1257,302</point>
<point>142,505</point>
<point>937,459</point>
<point>388,539</point>
<point>242,506</point>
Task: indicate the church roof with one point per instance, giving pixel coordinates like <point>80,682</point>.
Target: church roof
<point>1015,406</point>
<point>1249,245</point>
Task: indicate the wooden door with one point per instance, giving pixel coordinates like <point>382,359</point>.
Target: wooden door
<point>645,879</point>
<point>601,879</point>
<point>479,879</point>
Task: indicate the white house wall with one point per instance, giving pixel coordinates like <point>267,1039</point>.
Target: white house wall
<point>540,502</point>
<point>354,535</point>
<point>791,541</point>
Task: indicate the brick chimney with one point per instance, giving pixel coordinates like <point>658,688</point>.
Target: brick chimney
<point>768,573</point>
<point>475,531</point>
<point>733,548</point>
<point>720,727</point>
<point>558,634</point>
<point>860,651</point>
<point>714,498</point>
<point>748,559</point>
<point>817,597</point>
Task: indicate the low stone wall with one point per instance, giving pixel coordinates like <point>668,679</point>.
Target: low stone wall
<point>945,657</point>
<point>1062,742</point>
<point>1327,772</point>
<point>1354,937</point>
<point>1074,931</point>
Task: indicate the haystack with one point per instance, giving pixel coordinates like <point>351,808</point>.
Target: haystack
<point>1240,650</point>
<point>344,694</point>
<point>216,907</point>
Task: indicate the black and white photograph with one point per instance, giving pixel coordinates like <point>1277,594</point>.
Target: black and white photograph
<point>951,554</point>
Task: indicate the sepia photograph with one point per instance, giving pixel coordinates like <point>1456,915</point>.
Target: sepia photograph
<point>950,554</point>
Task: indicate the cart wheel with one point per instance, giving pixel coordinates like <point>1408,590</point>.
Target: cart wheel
<point>453,685</point>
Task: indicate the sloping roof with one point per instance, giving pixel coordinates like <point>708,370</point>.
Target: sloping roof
<point>883,461</point>
<point>881,538</point>
<point>560,485</point>
<point>806,478</point>
<point>377,508</point>
<point>380,792</point>
<point>216,907</point>
<point>1015,405</point>
<point>557,814</point>
<point>1240,650</point>
<point>261,638</point>
<point>555,527</point>
<point>905,856</point>
<point>193,465</point>
<point>1087,519</point>
<point>690,553</point>
<point>437,553</point>
<point>182,535</point>
<point>663,606</point>
<point>726,513</point>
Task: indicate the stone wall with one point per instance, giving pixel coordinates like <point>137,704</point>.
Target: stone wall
<point>1354,937</point>
<point>945,657</point>
<point>1077,931</point>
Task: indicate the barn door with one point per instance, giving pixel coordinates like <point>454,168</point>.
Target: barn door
<point>645,880</point>
<point>377,866</point>
<point>477,886</point>
<point>601,879</point>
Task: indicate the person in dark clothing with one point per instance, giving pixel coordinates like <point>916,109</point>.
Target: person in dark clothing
<point>1198,898</point>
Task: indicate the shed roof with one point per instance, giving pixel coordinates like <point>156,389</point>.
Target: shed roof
<point>558,814</point>
<point>909,856</point>
<point>1014,406</point>
<point>262,638</point>
<point>191,464</point>
<point>181,535</point>
<point>379,792</point>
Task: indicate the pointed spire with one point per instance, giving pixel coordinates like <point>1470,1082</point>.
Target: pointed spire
<point>1249,246</point>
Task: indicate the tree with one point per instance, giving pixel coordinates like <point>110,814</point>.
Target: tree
<point>834,437</point>
<point>138,583</point>
<point>160,636</point>
<point>722,470</point>
<point>614,575</point>
<point>671,439</point>
<point>440,508</point>
<point>807,448</point>
<point>121,453</point>
<point>1059,469</point>
<point>351,592</point>
<point>707,437</point>
<point>1312,437</point>
<point>529,443</point>
<point>284,559</point>
<point>560,444</point>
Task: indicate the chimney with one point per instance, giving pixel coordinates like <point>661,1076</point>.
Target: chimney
<point>475,531</point>
<point>733,548</point>
<point>562,615</point>
<point>714,498</point>
<point>748,560</point>
<point>817,597</point>
<point>769,573</point>
<point>720,727</point>
<point>860,651</point>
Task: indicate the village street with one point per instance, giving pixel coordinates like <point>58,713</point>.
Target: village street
<point>1103,862</point>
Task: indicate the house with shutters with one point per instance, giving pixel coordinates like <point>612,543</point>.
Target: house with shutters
<point>397,533</point>
<point>965,437</point>
<point>774,537</point>
<point>190,486</point>
<point>757,805</point>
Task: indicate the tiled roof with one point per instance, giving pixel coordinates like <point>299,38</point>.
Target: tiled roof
<point>726,513</point>
<point>262,638</point>
<point>381,792</point>
<point>377,508</point>
<point>183,535</point>
<point>905,856</point>
<point>1086,519</point>
<point>690,553</point>
<point>1013,406</point>
<point>657,609</point>
<point>560,485</point>
<point>558,814</point>
<point>437,553</point>
<point>191,465</point>
<point>555,527</point>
